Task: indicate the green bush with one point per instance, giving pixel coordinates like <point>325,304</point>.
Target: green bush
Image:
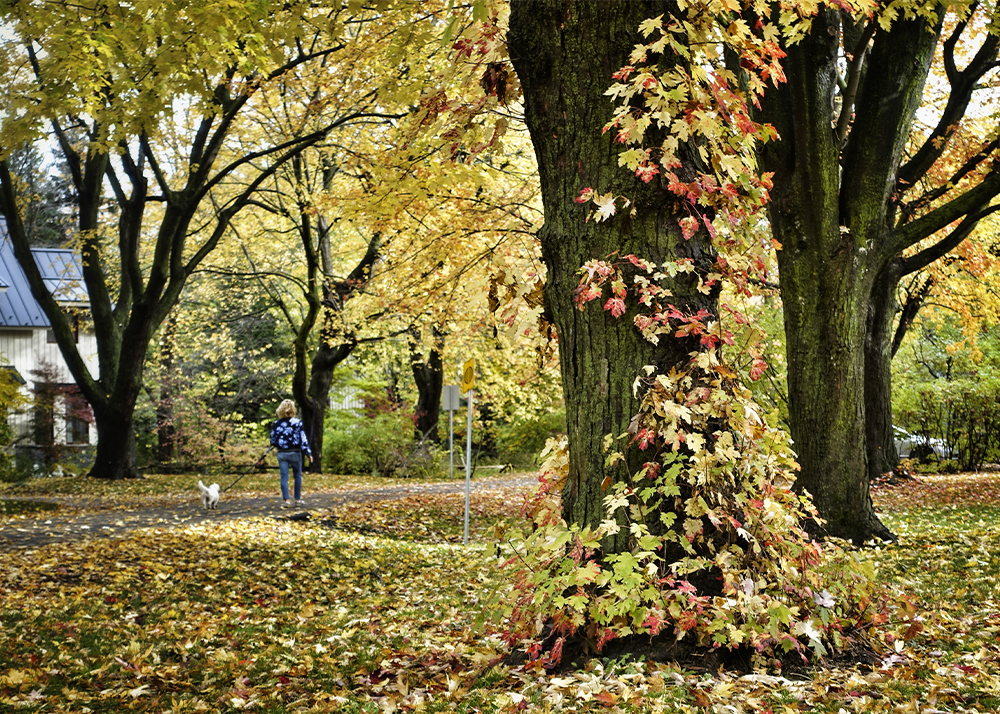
<point>14,470</point>
<point>378,444</point>
<point>11,399</point>
<point>519,442</point>
<point>965,413</point>
<point>946,385</point>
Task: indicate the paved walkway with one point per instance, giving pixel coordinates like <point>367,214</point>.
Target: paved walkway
<point>53,527</point>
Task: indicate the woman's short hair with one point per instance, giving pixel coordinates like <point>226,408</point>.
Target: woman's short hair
<point>286,410</point>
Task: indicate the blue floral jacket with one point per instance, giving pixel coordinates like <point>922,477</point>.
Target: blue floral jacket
<point>288,435</point>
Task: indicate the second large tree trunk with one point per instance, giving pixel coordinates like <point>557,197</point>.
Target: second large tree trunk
<point>831,210</point>
<point>879,442</point>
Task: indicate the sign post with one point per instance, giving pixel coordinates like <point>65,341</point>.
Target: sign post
<point>468,382</point>
<point>450,396</point>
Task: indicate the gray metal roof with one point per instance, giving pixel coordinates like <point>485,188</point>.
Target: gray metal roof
<point>61,272</point>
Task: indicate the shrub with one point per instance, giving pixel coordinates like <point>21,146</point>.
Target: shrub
<point>520,442</point>
<point>11,400</point>
<point>963,412</point>
<point>379,443</point>
<point>729,568</point>
<point>14,469</point>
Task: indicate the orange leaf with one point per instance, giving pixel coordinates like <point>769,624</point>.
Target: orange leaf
<point>606,698</point>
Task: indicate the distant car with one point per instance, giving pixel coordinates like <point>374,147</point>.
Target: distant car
<point>912,446</point>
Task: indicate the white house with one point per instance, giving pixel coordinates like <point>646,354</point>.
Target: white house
<point>29,350</point>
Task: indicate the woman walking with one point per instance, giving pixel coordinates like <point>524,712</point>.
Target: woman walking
<point>289,438</point>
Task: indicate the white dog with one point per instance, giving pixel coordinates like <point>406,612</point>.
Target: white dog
<point>209,495</point>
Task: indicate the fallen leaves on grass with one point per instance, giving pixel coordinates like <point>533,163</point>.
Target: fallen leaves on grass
<point>235,615</point>
<point>433,517</point>
<point>937,491</point>
<point>377,614</point>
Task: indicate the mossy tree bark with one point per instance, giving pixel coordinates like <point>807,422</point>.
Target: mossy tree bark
<point>564,53</point>
<point>830,225</point>
<point>838,211</point>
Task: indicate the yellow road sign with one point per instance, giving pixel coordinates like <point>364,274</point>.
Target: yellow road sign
<point>468,375</point>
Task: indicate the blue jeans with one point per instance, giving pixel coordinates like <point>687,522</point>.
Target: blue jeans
<point>293,460</point>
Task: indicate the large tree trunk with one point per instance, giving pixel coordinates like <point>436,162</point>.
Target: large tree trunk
<point>114,414</point>
<point>564,54</point>
<point>115,455</point>
<point>824,288</point>
<point>832,210</point>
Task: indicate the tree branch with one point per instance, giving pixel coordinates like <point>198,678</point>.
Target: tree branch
<point>963,84</point>
<point>854,73</point>
<point>972,201</point>
<point>944,246</point>
<point>945,186</point>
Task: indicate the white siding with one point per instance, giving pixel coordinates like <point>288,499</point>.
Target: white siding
<point>347,398</point>
<point>26,350</point>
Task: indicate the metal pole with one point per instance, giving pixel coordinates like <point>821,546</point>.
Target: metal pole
<point>451,440</point>
<point>468,467</point>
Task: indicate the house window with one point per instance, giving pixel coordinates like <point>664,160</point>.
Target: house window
<point>50,335</point>
<point>77,430</point>
<point>78,416</point>
<point>60,405</point>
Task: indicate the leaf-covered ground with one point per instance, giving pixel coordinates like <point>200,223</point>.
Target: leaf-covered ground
<point>373,608</point>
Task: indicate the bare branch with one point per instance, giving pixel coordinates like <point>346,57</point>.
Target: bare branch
<point>854,72</point>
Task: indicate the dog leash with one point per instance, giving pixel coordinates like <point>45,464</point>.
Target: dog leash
<point>259,462</point>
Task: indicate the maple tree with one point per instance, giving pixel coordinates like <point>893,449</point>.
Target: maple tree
<point>271,264</point>
<point>397,227</point>
<point>659,537</point>
<point>145,102</point>
<point>300,198</point>
<point>600,355</point>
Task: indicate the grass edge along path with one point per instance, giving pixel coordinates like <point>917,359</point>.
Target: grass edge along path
<point>171,501</point>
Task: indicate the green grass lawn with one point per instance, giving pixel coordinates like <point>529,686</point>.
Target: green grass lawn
<point>376,611</point>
